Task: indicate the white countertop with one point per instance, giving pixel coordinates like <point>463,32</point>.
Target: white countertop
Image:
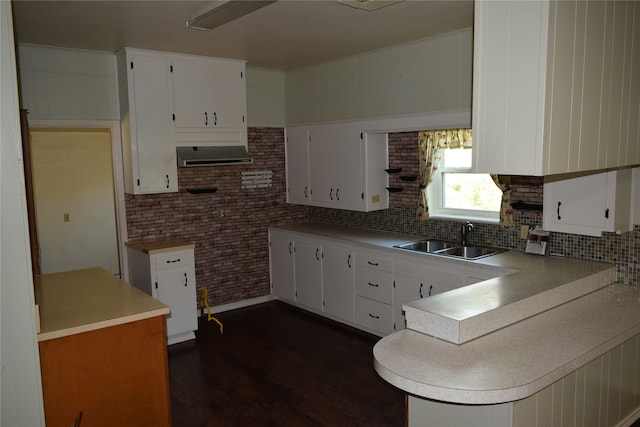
<point>514,362</point>
<point>79,301</point>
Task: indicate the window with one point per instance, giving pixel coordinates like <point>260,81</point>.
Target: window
<point>456,192</point>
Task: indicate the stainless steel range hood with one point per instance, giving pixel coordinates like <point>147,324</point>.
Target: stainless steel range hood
<point>212,156</point>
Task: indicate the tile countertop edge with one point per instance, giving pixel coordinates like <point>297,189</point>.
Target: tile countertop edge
<point>508,376</point>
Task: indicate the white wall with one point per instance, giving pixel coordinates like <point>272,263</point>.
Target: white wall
<point>424,76</point>
<point>265,97</point>
<point>20,384</point>
<point>68,84</point>
<point>71,84</point>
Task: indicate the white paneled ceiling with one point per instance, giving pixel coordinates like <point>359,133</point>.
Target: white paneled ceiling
<point>282,35</point>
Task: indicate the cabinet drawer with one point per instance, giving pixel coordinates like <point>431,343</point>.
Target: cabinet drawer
<point>373,261</point>
<point>373,284</point>
<point>374,315</point>
<point>177,259</point>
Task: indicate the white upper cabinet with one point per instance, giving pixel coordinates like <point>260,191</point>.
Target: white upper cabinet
<point>148,150</point>
<point>555,86</point>
<point>297,159</point>
<point>209,101</point>
<point>590,204</point>
<point>337,166</point>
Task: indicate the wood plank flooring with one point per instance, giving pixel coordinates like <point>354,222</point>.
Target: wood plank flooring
<point>276,365</point>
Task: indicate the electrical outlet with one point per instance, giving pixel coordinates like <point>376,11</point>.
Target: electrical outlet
<point>524,232</point>
<point>65,217</point>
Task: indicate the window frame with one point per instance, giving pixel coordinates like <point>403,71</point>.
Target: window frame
<point>435,194</point>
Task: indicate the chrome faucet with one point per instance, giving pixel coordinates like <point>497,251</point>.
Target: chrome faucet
<point>467,228</point>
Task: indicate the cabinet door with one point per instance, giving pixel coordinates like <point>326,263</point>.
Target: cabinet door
<point>348,168</point>
<point>208,94</point>
<point>153,151</point>
<point>321,166</point>
<point>576,205</point>
<point>338,282</point>
<point>176,288</point>
<point>229,94</point>
<point>297,166</point>
<point>308,273</point>
<point>192,93</point>
<point>407,289</point>
<point>281,252</point>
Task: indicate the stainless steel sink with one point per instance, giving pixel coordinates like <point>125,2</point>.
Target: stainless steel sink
<point>429,246</point>
<point>439,247</point>
<point>469,252</point>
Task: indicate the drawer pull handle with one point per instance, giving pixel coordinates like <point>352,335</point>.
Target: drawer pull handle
<point>420,291</point>
<point>171,261</point>
<point>375,285</point>
<point>317,257</point>
<point>559,217</point>
<point>186,280</point>
<point>430,289</point>
<point>373,317</point>
<point>373,263</point>
<point>349,260</point>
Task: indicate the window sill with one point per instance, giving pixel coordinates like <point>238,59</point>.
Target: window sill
<point>463,218</point>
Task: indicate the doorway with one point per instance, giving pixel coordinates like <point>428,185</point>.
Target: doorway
<point>79,212</point>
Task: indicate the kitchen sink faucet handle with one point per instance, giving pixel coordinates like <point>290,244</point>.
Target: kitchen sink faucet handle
<point>467,228</point>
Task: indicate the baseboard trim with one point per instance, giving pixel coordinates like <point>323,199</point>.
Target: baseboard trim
<point>238,304</point>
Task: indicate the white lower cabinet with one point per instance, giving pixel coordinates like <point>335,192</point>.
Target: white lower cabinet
<point>338,282</point>
<point>281,253</point>
<point>414,281</point>
<point>374,292</point>
<point>308,273</point>
<point>362,287</point>
<point>167,273</point>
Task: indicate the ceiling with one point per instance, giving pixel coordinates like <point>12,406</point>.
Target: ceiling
<point>285,34</point>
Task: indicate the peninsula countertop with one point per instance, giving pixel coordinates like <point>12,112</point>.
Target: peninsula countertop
<point>84,300</point>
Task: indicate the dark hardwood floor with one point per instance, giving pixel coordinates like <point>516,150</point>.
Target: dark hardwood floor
<point>276,365</point>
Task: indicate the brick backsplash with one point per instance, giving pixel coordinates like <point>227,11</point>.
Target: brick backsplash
<point>228,227</point>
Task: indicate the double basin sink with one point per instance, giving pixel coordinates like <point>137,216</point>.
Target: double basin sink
<point>438,247</point>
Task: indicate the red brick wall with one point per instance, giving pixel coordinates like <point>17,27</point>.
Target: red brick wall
<point>403,153</point>
<point>228,227</point>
